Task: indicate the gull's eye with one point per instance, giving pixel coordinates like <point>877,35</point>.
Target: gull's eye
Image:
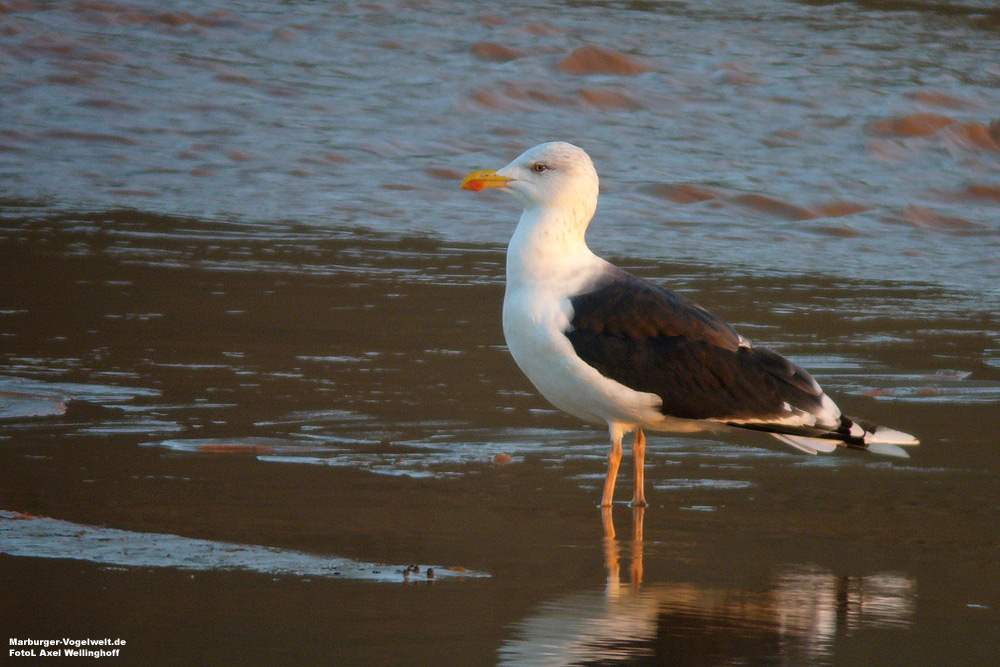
<point>539,167</point>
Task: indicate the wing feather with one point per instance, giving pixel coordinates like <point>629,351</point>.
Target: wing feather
<point>653,340</point>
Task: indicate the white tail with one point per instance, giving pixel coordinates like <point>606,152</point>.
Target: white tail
<point>888,450</point>
<point>807,444</point>
<point>875,439</point>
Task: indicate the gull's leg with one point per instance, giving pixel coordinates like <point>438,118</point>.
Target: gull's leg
<point>639,454</point>
<point>614,458</point>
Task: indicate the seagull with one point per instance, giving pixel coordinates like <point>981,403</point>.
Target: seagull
<point>607,347</point>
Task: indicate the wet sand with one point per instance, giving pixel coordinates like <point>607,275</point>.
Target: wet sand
<point>343,396</point>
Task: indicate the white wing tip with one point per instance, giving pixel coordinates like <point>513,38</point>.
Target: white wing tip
<point>882,435</point>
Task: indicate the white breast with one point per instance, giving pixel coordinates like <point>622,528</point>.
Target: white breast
<point>534,319</point>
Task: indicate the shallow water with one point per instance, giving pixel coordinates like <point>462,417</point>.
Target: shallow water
<point>250,332</point>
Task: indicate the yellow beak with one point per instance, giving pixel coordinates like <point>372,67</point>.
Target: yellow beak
<point>479,180</point>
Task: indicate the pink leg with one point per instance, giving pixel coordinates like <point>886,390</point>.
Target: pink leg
<point>639,454</point>
<point>614,459</point>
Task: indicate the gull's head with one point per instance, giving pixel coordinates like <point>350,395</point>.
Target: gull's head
<point>554,175</point>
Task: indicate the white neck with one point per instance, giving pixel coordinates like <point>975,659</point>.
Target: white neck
<point>547,245</point>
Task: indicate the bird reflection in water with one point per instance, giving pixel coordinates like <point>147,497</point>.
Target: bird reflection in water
<point>612,548</point>
<point>797,619</point>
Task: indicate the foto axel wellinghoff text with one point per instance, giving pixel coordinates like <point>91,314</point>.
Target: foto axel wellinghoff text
<point>79,648</point>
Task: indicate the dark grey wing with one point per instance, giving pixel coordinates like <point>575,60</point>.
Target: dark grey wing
<point>622,305</point>
<point>653,340</point>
